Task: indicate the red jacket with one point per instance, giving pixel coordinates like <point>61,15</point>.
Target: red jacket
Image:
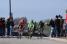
<point>21,23</point>
<point>2,25</point>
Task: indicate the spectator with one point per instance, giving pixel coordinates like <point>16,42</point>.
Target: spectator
<point>57,25</point>
<point>9,25</point>
<point>2,27</point>
<point>64,30</point>
<point>61,25</point>
<point>53,30</point>
<point>41,23</point>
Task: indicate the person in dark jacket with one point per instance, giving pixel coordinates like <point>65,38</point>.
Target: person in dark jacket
<point>57,26</point>
<point>41,23</point>
<point>53,31</point>
<point>3,20</point>
<point>61,25</point>
<point>9,26</point>
<point>2,27</point>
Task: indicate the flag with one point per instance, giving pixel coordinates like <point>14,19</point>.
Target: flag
<point>66,18</point>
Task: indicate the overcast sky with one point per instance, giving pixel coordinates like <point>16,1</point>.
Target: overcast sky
<point>33,9</point>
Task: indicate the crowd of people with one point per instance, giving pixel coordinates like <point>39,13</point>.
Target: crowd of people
<point>58,27</point>
<point>7,27</point>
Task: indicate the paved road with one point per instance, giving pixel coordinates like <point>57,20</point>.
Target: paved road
<point>29,41</point>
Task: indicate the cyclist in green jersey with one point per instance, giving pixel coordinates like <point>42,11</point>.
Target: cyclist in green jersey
<point>31,28</point>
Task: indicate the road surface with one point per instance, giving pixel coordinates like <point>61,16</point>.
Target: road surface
<point>29,41</point>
